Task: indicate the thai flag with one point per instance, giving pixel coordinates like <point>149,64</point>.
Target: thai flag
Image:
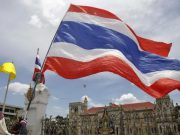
<point>37,70</point>
<point>91,40</point>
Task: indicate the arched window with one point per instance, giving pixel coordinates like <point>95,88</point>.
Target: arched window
<point>117,132</point>
<point>76,109</point>
<point>178,127</point>
<point>160,128</point>
<point>175,128</point>
<point>155,130</point>
<point>130,130</point>
<point>152,130</point>
<point>144,116</point>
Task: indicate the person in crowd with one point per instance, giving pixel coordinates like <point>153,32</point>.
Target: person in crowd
<point>3,128</point>
<point>20,127</point>
<point>23,129</point>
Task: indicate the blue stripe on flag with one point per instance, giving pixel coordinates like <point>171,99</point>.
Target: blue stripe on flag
<point>37,62</point>
<point>89,36</point>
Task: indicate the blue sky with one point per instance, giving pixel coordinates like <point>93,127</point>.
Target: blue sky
<point>30,24</point>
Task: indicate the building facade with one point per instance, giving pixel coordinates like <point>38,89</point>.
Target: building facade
<point>11,113</point>
<point>11,110</point>
<point>160,118</point>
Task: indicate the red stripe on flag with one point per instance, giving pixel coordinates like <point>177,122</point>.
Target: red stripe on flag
<point>151,46</point>
<point>92,11</point>
<point>36,70</point>
<point>148,45</point>
<point>72,69</point>
<point>155,47</point>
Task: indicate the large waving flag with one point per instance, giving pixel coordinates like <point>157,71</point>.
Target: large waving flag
<point>9,68</point>
<point>91,40</point>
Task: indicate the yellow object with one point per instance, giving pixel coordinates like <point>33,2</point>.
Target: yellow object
<point>9,68</point>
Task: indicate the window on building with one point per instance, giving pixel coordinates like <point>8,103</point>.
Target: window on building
<point>178,127</point>
<point>76,109</point>
<point>12,111</point>
<point>131,130</point>
<point>6,110</point>
<point>155,130</point>
<point>152,130</point>
<point>160,128</point>
<point>117,132</point>
<point>175,128</point>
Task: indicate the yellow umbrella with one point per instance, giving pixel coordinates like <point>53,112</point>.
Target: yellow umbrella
<point>9,68</point>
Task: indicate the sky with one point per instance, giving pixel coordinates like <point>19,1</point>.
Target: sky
<point>30,24</point>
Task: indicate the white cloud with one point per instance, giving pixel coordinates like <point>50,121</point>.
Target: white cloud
<point>18,88</point>
<point>126,98</point>
<point>91,103</point>
<point>54,97</point>
<point>35,21</point>
<point>52,10</point>
<point>29,2</point>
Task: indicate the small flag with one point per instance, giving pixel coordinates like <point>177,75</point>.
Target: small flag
<point>38,76</point>
<point>91,40</point>
<point>9,68</point>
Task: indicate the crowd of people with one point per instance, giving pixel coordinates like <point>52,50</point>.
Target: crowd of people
<point>17,126</point>
<point>12,127</point>
<point>55,126</point>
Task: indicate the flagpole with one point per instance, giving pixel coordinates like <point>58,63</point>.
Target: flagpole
<point>27,109</point>
<point>49,48</point>
<point>29,104</point>
<point>3,110</point>
<point>52,41</point>
<point>33,93</point>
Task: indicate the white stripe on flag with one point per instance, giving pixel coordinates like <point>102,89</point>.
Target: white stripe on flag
<point>112,24</point>
<point>37,66</point>
<point>71,51</point>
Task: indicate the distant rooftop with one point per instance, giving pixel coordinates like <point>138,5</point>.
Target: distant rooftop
<point>138,106</point>
<point>125,107</point>
<point>14,106</point>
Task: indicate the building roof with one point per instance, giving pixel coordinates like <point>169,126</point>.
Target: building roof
<point>13,106</point>
<point>138,106</point>
<point>94,110</point>
<point>125,107</point>
<point>73,103</point>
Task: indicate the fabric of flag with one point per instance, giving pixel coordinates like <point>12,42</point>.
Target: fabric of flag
<point>91,40</point>
<point>37,70</point>
<point>9,68</point>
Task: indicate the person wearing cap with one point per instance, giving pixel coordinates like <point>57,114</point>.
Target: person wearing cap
<point>3,128</point>
<point>23,129</point>
<point>16,127</point>
<point>20,127</point>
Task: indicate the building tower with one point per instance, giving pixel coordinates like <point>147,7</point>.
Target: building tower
<point>75,110</point>
<point>164,109</point>
<point>85,104</point>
